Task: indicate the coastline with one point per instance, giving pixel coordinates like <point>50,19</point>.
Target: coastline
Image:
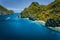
<point>53,28</point>
<point>43,23</point>
<point>40,21</point>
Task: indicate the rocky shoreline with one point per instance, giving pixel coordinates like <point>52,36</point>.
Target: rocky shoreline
<point>53,28</point>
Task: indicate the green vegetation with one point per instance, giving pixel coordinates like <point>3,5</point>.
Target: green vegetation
<point>34,9</point>
<point>4,11</point>
<point>43,12</point>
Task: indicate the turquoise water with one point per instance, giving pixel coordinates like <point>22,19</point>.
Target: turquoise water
<point>14,28</point>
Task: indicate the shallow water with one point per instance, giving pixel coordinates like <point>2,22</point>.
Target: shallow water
<point>14,28</point>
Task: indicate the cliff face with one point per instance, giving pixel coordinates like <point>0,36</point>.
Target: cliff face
<point>42,12</point>
<point>4,11</point>
<point>34,9</point>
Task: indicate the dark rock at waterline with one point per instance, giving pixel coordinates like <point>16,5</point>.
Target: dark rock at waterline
<point>52,23</point>
<point>30,18</point>
<point>22,29</point>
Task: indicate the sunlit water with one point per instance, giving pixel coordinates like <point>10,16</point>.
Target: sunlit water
<point>14,28</point>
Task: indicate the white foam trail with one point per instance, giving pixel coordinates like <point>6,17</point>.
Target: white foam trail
<point>8,18</point>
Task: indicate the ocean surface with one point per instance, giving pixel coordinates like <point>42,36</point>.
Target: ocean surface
<point>14,28</point>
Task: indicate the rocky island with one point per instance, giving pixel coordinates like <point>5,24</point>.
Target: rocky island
<point>44,13</point>
<point>5,11</point>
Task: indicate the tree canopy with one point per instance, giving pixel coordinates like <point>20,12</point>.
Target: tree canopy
<point>42,12</point>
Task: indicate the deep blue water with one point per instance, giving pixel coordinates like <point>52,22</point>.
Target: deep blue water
<point>14,28</point>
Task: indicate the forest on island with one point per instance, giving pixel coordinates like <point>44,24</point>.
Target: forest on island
<point>49,13</point>
<point>5,11</point>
